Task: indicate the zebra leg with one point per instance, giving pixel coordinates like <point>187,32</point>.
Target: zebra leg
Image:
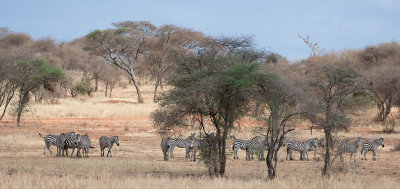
<point>287,153</point>
<point>187,152</point>
<point>315,154</point>
<point>374,155</point>
<point>341,157</point>
<point>73,149</point>
<point>291,155</point>
<point>235,151</point>
<point>171,151</point>
<point>44,150</point>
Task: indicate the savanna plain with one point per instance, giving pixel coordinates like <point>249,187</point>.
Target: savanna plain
<point>138,161</point>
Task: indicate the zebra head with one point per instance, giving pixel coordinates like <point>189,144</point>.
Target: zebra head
<point>322,143</point>
<point>77,139</point>
<point>116,140</point>
<point>358,142</point>
<point>256,139</point>
<point>283,142</point>
<point>380,142</point>
<point>63,138</point>
<point>314,143</point>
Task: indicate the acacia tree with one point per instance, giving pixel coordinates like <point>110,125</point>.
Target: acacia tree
<point>33,74</point>
<point>14,47</point>
<point>213,85</point>
<point>278,99</point>
<point>381,65</point>
<point>330,84</point>
<point>122,46</point>
<point>168,40</point>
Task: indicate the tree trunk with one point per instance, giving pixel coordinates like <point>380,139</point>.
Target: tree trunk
<point>156,87</point>
<point>24,98</point>
<point>271,168</point>
<point>105,93</point>
<point>96,82</point>
<point>132,74</point>
<point>327,163</point>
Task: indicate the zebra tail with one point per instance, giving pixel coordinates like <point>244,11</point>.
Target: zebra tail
<point>40,135</point>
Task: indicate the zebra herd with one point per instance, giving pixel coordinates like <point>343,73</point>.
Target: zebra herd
<point>191,144</point>
<point>65,141</point>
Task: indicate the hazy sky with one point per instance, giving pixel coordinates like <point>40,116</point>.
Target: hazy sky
<point>334,24</point>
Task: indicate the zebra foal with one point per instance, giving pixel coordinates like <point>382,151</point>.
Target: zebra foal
<point>106,142</point>
<point>371,146</point>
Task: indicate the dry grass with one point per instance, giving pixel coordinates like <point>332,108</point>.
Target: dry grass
<point>137,162</point>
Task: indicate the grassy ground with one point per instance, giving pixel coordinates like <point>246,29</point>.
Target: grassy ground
<point>137,162</point>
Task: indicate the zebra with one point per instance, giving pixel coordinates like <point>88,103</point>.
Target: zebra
<point>371,146</point>
<point>245,145</point>
<point>193,145</point>
<point>48,141</point>
<point>260,148</point>
<point>165,147</point>
<point>345,147</point>
<point>302,147</point>
<point>69,143</point>
<point>60,143</point>
<point>106,142</point>
<point>83,142</point>
<point>263,146</point>
<point>320,143</point>
<point>181,143</point>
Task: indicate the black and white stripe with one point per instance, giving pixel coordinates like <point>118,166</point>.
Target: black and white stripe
<point>371,146</point>
<point>69,143</point>
<point>180,143</point>
<point>352,148</point>
<point>165,147</point>
<point>106,142</point>
<point>48,141</point>
<point>302,147</point>
<point>245,145</point>
<point>60,143</point>
<point>320,143</point>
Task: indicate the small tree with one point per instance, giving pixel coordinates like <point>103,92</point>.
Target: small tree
<point>330,85</point>
<point>277,101</point>
<point>33,74</point>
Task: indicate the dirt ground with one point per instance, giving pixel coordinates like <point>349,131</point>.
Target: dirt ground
<point>139,141</point>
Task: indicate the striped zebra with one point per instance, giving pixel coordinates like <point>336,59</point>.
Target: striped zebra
<point>69,143</point>
<point>193,145</point>
<point>60,143</point>
<point>245,145</point>
<point>320,143</point>
<point>259,149</point>
<point>180,143</point>
<point>106,142</point>
<point>48,141</point>
<point>83,142</point>
<point>165,147</point>
<point>302,147</point>
<point>345,147</point>
<point>371,146</point>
